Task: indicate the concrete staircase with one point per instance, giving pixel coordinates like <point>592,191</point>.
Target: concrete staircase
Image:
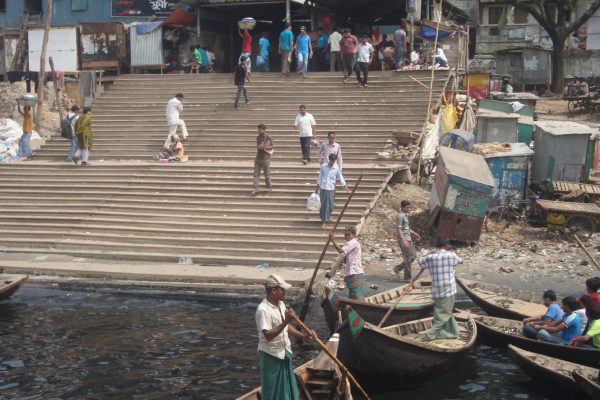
<point>127,207</point>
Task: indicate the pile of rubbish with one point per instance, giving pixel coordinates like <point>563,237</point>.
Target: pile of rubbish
<point>10,133</point>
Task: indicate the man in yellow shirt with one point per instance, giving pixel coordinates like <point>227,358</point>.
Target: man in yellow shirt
<point>24,145</point>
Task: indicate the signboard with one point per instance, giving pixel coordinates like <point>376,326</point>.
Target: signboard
<point>235,2</point>
<point>462,200</point>
<point>143,8</point>
<point>62,47</point>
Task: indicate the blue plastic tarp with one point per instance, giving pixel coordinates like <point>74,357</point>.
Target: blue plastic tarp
<point>147,27</point>
<point>428,33</point>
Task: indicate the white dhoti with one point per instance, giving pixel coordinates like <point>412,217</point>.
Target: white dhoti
<point>173,131</point>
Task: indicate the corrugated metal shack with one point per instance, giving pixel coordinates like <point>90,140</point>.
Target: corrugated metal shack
<point>460,195</point>
<point>496,126</point>
<point>510,170</point>
<point>525,123</point>
<point>561,149</point>
<point>527,66</point>
<point>146,49</point>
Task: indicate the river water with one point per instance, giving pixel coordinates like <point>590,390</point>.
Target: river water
<point>57,344</point>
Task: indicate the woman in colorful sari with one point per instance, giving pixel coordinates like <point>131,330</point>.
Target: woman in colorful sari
<point>83,130</point>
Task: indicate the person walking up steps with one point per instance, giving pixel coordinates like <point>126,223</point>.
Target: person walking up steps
<point>246,48</point>
<point>83,130</point>
<point>305,124</point>
<point>262,162</point>
<point>24,151</point>
<point>174,107</point>
<point>70,119</point>
<point>239,79</point>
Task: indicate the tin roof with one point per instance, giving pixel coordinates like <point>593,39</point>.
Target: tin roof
<point>563,128</point>
<point>487,113</point>
<point>516,150</point>
<point>469,166</point>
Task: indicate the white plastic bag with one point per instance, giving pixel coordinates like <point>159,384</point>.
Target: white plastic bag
<point>314,202</point>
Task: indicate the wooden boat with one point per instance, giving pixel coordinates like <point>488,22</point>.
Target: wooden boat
<point>9,284</point>
<point>587,384</point>
<point>417,304</point>
<point>397,355</point>
<point>549,370</point>
<point>502,332</point>
<point>319,378</point>
<point>503,302</point>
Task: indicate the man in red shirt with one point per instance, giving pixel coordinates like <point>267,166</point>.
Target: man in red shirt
<point>246,47</point>
<point>348,46</point>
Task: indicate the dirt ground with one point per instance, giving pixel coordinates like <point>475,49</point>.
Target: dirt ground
<point>555,108</point>
<point>538,261</point>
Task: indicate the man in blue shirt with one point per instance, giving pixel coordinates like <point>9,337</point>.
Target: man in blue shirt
<point>553,313</point>
<point>565,328</point>
<point>329,174</point>
<point>286,44</point>
<point>303,50</point>
<point>322,39</point>
<point>262,60</point>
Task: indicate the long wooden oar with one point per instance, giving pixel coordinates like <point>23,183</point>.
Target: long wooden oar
<point>331,355</point>
<point>304,310</point>
<point>587,252</point>
<point>406,290</point>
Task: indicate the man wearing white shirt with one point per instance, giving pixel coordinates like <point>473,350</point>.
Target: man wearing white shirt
<point>333,45</point>
<point>274,346</point>
<point>364,54</point>
<point>174,107</point>
<point>305,124</point>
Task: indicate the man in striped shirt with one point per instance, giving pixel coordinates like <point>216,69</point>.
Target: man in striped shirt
<point>441,264</point>
<point>330,147</point>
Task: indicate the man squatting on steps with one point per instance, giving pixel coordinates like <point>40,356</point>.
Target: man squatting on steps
<point>329,174</point>
<point>262,162</point>
<point>174,107</point>
<point>354,278</point>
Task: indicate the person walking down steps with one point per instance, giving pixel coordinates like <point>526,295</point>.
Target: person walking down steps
<point>174,107</point>
<point>262,162</point>
<point>239,79</point>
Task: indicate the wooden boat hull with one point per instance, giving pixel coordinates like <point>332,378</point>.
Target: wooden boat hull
<point>381,360</point>
<point>550,371</point>
<point>586,385</point>
<point>315,368</point>
<point>496,310</point>
<point>498,338</point>
<point>9,284</point>
<point>372,313</point>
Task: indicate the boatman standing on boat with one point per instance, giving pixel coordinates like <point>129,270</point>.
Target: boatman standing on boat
<point>355,274</point>
<point>441,264</point>
<point>274,347</point>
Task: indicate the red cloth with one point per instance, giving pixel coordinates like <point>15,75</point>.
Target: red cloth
<point>247,43</point>
<point>596,298</point>
<point>349,43</point>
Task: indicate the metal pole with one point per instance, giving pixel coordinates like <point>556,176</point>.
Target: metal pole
<point>412,32</point>
<point>288,12</point>
<point>198,26</point>
<point>313,16</point>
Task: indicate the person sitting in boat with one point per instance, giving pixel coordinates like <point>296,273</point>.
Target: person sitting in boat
<point>563,329</point>
<point>355,274</point>
<point>553,313</point>
<point>591,337</point>
<point>592,286</point>
<point>274,347</point>
<point>441,264</point>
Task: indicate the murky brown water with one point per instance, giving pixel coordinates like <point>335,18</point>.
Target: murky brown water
<point>76,345</point>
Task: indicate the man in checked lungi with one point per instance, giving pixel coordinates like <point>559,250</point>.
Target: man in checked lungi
<point>329,175</point>
<point>355,274</point>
